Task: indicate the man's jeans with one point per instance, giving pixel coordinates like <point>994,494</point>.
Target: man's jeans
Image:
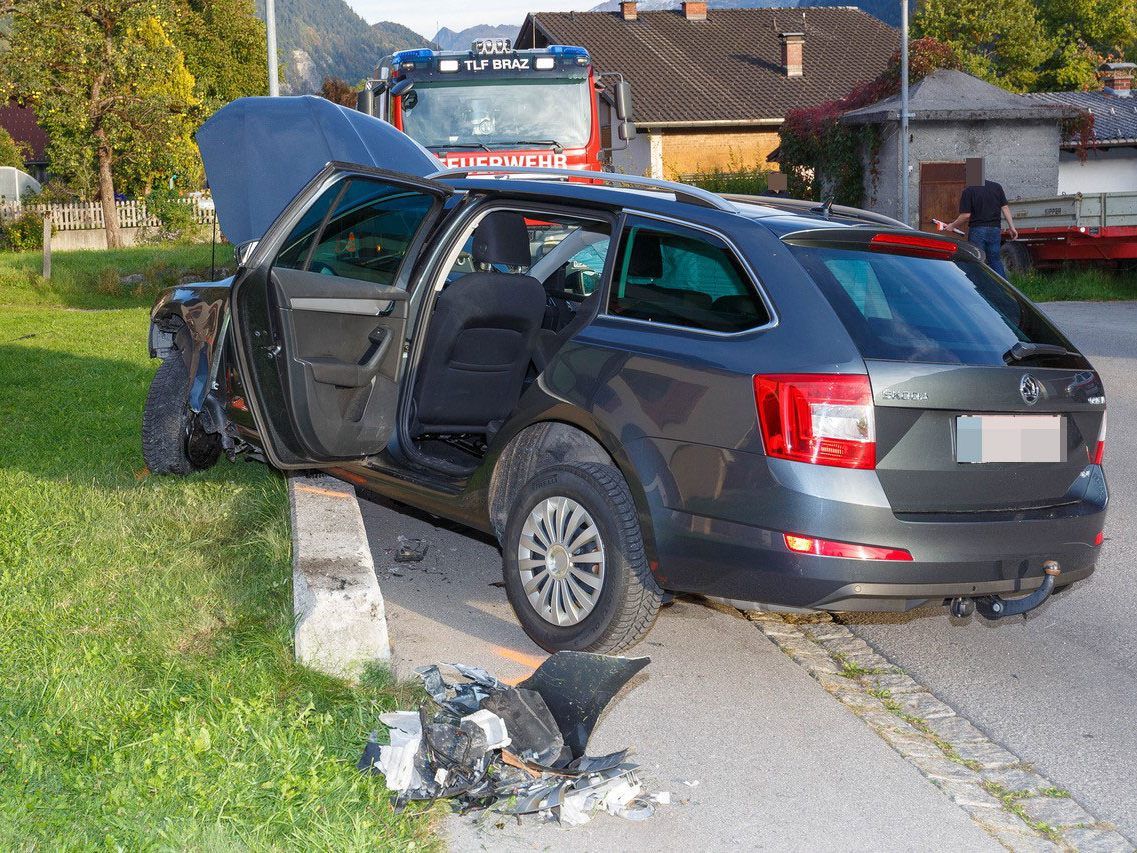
<point>989,239</point>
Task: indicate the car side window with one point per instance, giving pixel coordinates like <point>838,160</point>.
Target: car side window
<point>366,236</point>
<point>683,277</point>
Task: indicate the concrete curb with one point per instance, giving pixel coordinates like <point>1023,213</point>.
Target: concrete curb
<point>340,620</point>
<point>1005,796</point>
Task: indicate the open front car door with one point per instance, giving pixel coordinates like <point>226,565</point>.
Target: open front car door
<point>320,314</point>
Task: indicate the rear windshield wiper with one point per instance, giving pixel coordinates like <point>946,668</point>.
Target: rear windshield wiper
<point>1022,351</point>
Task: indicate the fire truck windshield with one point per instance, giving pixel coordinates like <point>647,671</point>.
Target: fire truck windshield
<point>499,114</point>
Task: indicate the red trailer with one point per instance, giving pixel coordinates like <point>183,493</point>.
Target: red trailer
<point>1098,228</point>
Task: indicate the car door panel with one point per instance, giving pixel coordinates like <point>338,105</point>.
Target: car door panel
<point>343,347</point>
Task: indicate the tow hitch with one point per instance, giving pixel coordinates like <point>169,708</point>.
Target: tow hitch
<point>996,607</point>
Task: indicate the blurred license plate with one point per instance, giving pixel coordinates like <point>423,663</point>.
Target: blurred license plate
<point>1010,438</point>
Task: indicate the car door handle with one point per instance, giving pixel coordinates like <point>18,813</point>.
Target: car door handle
<point>333,371</point>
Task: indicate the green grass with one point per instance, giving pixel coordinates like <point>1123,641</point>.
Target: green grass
<point>90,279</point>
<point>1095,285</point>
<point>148,695</point>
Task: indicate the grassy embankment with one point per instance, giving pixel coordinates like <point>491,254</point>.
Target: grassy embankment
<point>148,695</point>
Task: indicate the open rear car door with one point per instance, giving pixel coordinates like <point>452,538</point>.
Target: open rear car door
<point>319,307</point>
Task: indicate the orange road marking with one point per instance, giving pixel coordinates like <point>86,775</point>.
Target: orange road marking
<point>325,493</point>
<point>530,661</point>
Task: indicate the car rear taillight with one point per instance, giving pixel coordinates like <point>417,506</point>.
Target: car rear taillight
<point>822,418</point>
<point>1099,538</point>
<point>829,548</point>
<point>1099,448</point>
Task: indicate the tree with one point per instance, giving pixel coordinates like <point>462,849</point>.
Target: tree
<point>12,153</point>
<point>1001,41</point>
<point>224,46</point>
<point>109,87</point>
<point>338,92</point>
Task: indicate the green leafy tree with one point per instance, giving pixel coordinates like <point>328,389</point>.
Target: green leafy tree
<point>1002,41</point>
<point>224,46</point>
<point>110,88</point>
<point>12,153</point>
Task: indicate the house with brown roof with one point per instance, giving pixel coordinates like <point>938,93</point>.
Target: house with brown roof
<point>712,87</point>
<point>1108,160</point>
<point>21,123</point>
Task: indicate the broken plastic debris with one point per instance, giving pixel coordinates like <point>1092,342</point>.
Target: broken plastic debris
<point>514,750</point>
<point>496,733</point>
<point>410,550</point>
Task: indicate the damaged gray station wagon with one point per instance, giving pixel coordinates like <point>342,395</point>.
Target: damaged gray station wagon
<point>639,388</point>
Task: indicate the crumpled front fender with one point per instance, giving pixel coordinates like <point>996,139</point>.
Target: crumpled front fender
<point>192,319</point>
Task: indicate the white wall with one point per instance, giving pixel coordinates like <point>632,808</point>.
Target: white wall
<point>1106,170</point>
<point>636,158</point>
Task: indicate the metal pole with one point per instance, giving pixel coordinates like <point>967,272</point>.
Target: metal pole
<point>270,30</point>
<point>903,110</point>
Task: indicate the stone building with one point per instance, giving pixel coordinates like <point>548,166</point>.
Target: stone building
<point>953,116</point>
<point>711,88</point>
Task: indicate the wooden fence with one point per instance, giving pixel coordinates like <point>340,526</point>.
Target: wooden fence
<point>85,216</point>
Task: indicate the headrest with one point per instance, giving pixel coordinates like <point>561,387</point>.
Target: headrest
<point>502,238</point>
<point>647,257</point>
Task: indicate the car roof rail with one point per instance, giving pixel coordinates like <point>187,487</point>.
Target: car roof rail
<point>683,192</point>
<point>799,205</point>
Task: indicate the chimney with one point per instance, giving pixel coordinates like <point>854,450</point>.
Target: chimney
<point>694,11</point>
<point>793,45</point>
<point>628,10</point>
<point>1117,78</point>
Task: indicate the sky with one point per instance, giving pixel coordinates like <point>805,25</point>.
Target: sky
<point>426,16</point>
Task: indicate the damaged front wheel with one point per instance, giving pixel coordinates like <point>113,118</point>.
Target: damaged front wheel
<point>574,563</point>
<point>173,439</point>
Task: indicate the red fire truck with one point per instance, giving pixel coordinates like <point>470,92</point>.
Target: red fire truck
<point>497,106</point>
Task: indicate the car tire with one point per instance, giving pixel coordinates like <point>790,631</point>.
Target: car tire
<point>594,502</point>
<point>172,441</point>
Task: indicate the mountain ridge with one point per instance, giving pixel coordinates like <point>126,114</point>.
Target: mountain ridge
<point>448,39</point>
<point>326,38</point>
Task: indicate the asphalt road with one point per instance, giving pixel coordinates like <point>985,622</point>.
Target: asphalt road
<point>779,764</point>
<point>1060,688</point>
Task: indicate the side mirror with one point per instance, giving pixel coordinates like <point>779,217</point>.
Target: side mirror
<point>402,87</point>
<point>626,130</point>
<point>365,101</point>
<point>623,97</point>
<point>243,251</point>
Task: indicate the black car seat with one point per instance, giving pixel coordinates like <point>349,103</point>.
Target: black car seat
<point>480,338</point>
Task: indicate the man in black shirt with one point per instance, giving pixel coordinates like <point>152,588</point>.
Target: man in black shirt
<point>979,209</point>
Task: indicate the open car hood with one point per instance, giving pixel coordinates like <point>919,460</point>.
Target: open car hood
<point>260,152</point>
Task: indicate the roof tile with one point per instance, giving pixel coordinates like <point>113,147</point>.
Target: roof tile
<point>728,67</point>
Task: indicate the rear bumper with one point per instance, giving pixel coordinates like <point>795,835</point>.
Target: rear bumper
<point>751,564</point>
<point>744,558</point>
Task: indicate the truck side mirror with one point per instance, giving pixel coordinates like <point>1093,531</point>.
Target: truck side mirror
<point>365,101</point>
<point>626,131</point>
<point>623,94</point>
<point>402,87</point>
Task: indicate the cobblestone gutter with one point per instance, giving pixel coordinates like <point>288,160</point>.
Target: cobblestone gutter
<point>1005,796</point>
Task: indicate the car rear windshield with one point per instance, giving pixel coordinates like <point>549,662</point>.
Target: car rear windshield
<point>904,308</point>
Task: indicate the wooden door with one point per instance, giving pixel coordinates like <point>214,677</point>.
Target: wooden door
<point>941,185</point>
